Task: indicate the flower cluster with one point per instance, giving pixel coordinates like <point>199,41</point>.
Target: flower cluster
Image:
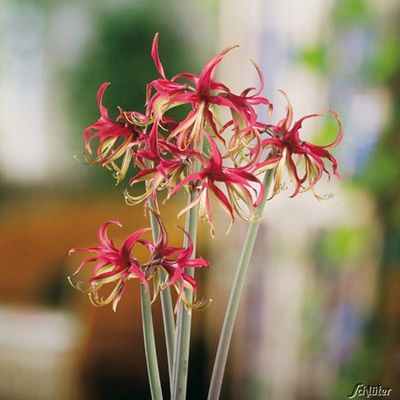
<point>116,266</point>
<point>218,161</point>
<point>171,154</point>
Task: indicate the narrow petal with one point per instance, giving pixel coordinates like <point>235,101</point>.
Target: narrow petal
<point>156,57</point>
<point>203,86</point>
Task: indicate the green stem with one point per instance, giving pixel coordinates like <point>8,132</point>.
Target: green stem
<point>182,338</point>
<point>236,292</point>
<point>150,345</point>
<point>166,300</point>
<point>166,306</point>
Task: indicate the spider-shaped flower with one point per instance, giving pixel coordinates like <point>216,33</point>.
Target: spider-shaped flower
<point>242,187</point>
<point>203,93</point>
<point>111,265</point>
<point>116,139</point>
<point>175,262</point>
<point>284,143</point>
<point>117,266</point>
<point>166,173</point>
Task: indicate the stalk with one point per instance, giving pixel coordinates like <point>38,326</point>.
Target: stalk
<point>148,328</point>
<point>184,319</point>
<point>234,299</point>
<point>166,306</point>
<point>150,345</point>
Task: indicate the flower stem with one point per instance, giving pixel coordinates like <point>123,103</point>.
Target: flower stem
<point>165,294</point>
<point>166,306</point>
<point>182,338</point>
<point>150,345</point>
<point>234,299</point>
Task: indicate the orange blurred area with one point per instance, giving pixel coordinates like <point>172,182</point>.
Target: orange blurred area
<point>92,348</point>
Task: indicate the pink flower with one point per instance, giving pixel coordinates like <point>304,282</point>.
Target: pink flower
<point>165,149</point>
<point>116,266</point>
<point>111,265</point>
<point>241,186</point>
<point>175,261</point>
<point>116,139</point>
<point>284,143</point>
<point>165,174</point>
<point>202,93</point>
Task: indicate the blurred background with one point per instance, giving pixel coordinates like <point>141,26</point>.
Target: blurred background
<point>321,312</point>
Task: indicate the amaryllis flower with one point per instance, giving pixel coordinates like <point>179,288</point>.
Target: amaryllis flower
<point>165,174</point>
<point>116,139</point>
<point>242,187</point>
<point>175,262</point>
<point>202,93</point>
<point>111,265</point>
<point>304,161</point>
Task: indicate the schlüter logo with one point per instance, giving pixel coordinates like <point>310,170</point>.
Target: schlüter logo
<point>361,390</point>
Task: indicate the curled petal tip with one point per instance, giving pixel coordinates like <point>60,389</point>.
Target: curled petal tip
<point>115,304</point>
<point>102,88</point>
<point>340,132</point>
<point>260,75</point>
<point>285,95</point>
<point>156,56</point>
<point>113,222</point>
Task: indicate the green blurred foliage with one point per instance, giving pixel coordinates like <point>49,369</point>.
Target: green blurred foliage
<point>381,174</point>
<point>382,171</point>
<point>381,178</point>
<point>119,52</point>
<point>385,59</point>
<point>315,57</point>
<point>348,13</point>
<point>39,3</point>
<point>343,246</point>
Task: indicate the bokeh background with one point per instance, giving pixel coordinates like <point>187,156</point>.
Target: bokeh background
<point>321,311</point>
